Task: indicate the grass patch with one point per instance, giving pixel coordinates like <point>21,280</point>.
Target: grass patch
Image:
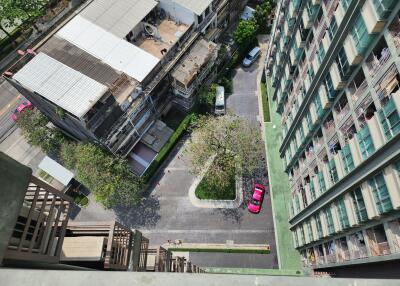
<point>221,250</point>
<point>180,130</point>
<point>265,103</point>
<point>79,199</point>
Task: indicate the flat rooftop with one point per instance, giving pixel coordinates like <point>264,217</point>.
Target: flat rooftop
<point>199,54</point>
<point>168,33</point>
<point>60,84</point>
<point>117,53</point>
<point>118,17</point>
<point>196,6</point>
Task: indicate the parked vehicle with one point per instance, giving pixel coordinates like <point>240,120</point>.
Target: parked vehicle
<point>20,108</point>
<point>220,101</point>
<point>256,200</point>
<point>251,57</point>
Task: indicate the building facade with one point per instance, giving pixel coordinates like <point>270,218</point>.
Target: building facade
<point>334,66</point>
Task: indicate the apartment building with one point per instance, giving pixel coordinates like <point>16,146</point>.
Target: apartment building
<point>105,75</point>
<point>36,232</point>
<point>334,66</point>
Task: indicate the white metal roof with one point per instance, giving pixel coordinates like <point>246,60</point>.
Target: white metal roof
<point>60,84</point>
<point>58,172</point>
<point>197,6</point>
<point>117,53</point>
<point>118,17</point>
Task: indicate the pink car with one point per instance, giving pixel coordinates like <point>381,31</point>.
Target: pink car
<point>20,108</point>
<point>254,204</point>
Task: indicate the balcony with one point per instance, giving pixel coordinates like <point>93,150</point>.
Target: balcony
<point>375,13</point>
<point>329,128</point>
<point>378,58</point>
<point>360,252</point>
<point>394,30</point>
<point>341,110</point>
<point>356,92</point>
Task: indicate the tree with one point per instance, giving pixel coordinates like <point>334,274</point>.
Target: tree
<point>109,178</point>
<point>232,141</point>
<point>207,97</point>
<point>34,127</point>
<point>245,34</point>
<point>9,16</point>
<point>261,15</point>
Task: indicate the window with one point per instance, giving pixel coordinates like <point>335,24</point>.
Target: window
<point>360,35</point>
<point>329,221</point>
<point>319,226</point>
<point>296,240</point>
<point>333,171</point>
<point>342,63</point>
<point>332,28</point>
<point>397,167</point>
<point>309,230</point>
<point>343,219</point>
<point>345,4</point>
<point>383,7</point>
<point>301,131</point>
<point>329,87</point>
<point>312,190</point>
<point>390,119</point>
<point>347,159</point>
<point>359,205</point>
<point>320,53</point>
<point>308,120</point>
<point>318,106</point>
<point>380,193</point>
<point>321,182</point>
<point>297,203</point>
<point>365,140</point>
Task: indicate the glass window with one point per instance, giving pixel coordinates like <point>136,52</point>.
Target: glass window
<point>296,240</point>
<point>381,194</point>
<point>332,28</point>
<point>329,221</point>
<point>359,205</point>
<point>333,171</point>
<point>302,236</point>
<point>360,35</point>
<point>318,106</point>
<point>320,53</point>
<point>383,7</point>
<point>347,159</point>
<point>321,182</point>
<point>345,3</point>
<point>309,230</point>
<point>312,190</point>
<point>329,87</point>
<point>342,63</point>
<point>365,141</point>
<point>390,119</point>
<point>341,208</point>
<point>319,225</point>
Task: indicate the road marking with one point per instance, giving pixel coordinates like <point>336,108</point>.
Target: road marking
<point>6,108</point>
<point>211,231</point>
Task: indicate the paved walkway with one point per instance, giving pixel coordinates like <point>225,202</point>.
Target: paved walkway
<point>280,193</point>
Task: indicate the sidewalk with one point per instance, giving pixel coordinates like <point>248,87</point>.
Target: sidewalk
<point>288,256</point>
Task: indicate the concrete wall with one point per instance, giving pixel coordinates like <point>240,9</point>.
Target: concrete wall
<point>177,12</point>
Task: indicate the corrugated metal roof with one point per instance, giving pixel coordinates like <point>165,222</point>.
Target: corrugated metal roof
<point>197,6</point>
<point>58,172</point>
<point>60,84</point>
<point>117,53</point>
<point>118,17</point>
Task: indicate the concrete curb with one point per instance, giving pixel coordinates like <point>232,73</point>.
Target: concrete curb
<point>215,204</point>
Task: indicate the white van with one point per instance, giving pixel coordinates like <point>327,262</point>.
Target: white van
<point>251,57</point>
<point>220,101</point>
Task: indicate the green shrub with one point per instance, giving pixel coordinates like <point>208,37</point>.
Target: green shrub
<point>265,104</point>
<point>168,146</point>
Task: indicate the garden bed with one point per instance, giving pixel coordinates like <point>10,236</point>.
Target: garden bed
<point>207,190</point>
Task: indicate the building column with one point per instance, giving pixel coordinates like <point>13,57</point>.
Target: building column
<point>366,240</point>
<point>339,166</point>
<point>350,247</point>
<point>316,186</point>
<point>327,177</point>
<point>348,202</point>
<point>308,195</point>
<point>323,224</point>
<point>389,237</point>
<point>314,228</point>
<point>355,151</point>
<point>369,201</point>
<point>375,130</point>
<point>335,218</point>
<point>306,234</point>
<point>393,185</point>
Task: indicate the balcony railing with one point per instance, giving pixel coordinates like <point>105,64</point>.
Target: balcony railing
<point>394,30</point>
<point>378,61</point>
<point>329,128</point>
<point>381,248</point>
<point>344,256</point>
<point>340,115</point>
<point>331,258</point>
<point>356,93</point>
<point>361,252</point>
